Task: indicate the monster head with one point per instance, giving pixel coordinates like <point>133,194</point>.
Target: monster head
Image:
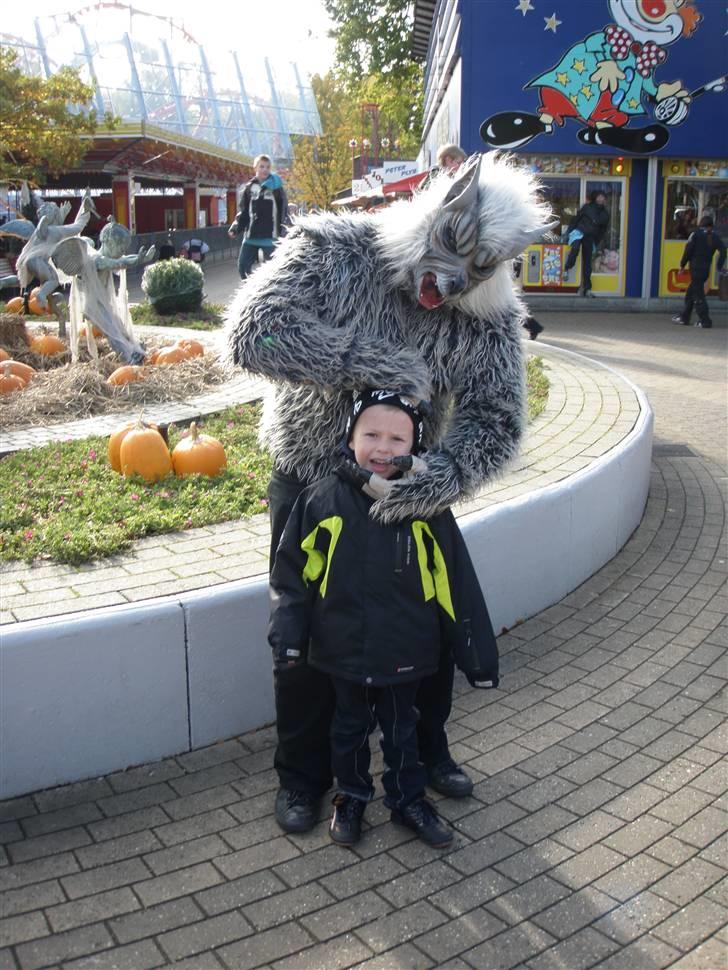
<point>114,239</point>
<point>454,242</point>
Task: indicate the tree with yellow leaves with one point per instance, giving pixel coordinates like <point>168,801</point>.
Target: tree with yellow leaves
<point>41,121</point>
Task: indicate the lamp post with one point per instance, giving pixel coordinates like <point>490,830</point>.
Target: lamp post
<point>365,146</point>
<point>353,145</point>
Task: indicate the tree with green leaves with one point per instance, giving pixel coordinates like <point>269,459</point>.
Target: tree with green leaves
<point>374,63</point>
<point>322,164</point>
<point>372,36</point>
<point>41,121</point>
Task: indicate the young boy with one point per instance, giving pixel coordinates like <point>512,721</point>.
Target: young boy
<point>371,605</point>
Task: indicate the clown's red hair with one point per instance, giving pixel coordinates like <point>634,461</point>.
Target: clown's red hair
<point>690,18</point>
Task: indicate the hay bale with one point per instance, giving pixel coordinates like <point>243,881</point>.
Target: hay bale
<point>13,332</point>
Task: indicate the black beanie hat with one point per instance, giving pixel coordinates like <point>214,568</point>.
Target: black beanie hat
<point>368,398</point>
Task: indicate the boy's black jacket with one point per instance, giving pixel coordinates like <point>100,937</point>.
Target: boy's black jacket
<point>699,251</point>
<point>592,220</point>
<point>372,603</point>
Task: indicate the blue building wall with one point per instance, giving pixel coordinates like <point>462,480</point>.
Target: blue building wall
<point>507,44</point>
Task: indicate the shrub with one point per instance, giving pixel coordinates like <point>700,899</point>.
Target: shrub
<point>174,285</point>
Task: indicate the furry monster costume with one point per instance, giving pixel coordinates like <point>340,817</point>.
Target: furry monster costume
<point>417,298</point>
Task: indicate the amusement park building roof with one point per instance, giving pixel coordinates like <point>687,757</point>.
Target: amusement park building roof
<point>148,71</point>
<point>155,157</point>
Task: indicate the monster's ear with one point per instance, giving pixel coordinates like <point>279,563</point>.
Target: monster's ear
<point>512,247</point>
<point>464,191</point>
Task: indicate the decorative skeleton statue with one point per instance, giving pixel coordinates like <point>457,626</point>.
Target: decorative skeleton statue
<point>417,298</point>
<point>34,260</point>
<point>93,294</point>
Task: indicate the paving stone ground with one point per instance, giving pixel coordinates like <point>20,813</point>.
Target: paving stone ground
<point>596,836</point>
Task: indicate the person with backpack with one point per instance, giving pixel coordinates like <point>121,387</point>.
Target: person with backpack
<point>261,217</point>
<point>699,251</point>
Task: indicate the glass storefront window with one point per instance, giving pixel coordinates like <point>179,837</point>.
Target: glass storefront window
<point>563,197</point>
<point>688,200</point>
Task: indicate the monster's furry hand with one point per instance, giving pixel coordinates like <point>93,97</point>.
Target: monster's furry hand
<point>421,495</point>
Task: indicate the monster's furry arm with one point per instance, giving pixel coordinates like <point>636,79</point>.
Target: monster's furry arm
<point>280,329</point>
<point>486,428</point>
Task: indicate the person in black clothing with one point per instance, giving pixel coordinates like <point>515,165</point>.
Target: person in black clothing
<point>371,606</point>
<point>589,226</point>
<point>699,250</point>
<point>262,216</point>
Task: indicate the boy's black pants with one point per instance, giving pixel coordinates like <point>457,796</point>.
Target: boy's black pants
<point>305,697</point>
<point>358,711</point>
<point>695,298</point>
<point>585,244</point>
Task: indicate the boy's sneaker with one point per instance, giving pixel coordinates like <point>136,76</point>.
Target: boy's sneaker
<point>421,816</point>
<point>449,779</point>
<point>345,828</point>
<point>296,811</point>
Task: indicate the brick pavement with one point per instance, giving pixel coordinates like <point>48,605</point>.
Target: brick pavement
<point>596,836</point>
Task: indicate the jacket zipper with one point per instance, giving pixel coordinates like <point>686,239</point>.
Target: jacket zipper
<point>398,550</point>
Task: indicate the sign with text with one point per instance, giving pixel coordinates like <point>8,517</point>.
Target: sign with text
<point>387,172</point>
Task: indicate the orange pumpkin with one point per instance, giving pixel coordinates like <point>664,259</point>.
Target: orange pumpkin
<point>9,382</point>
<point>144,452</point>
<point>192,348</point>
<point>4,355</point>
<point>24,371</point>
<point>151,357</point>
<point>171,355</point>
<point>199,454</point>
<point>94,330</point>
<point>16,305</point>
<point>116,439</point>
<point>47,345</point>
<point>125,375</point>
<point>33,304</point>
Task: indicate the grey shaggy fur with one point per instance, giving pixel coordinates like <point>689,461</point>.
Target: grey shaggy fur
<point>336,309</point>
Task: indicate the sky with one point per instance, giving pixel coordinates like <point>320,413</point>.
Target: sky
<point>284,30</point>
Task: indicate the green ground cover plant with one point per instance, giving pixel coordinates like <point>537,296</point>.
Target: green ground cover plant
<point>210,316</point>
<point>30,318</point>
<point>64,502</point>
<point>538,386</point>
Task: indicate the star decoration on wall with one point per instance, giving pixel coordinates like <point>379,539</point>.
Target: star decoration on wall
<point>578,66</point>
<point>563,79</point>
<point>633,103</point>
<point>574,99</point>
<point>524,6</point>
<point>552,23</point>
<point>586,91</point>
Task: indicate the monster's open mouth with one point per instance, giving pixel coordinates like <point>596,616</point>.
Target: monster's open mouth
<point>429,295</point>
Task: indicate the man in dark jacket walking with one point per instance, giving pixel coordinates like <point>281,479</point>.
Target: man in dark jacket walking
<point>584,232</point>
<point>263,213</point>
<point>372,606</point>
<point>699,251</point>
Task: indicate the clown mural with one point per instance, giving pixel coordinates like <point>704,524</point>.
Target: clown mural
<point>607,81</point>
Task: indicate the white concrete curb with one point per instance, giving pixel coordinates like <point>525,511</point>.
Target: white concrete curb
<point>102,690</point>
